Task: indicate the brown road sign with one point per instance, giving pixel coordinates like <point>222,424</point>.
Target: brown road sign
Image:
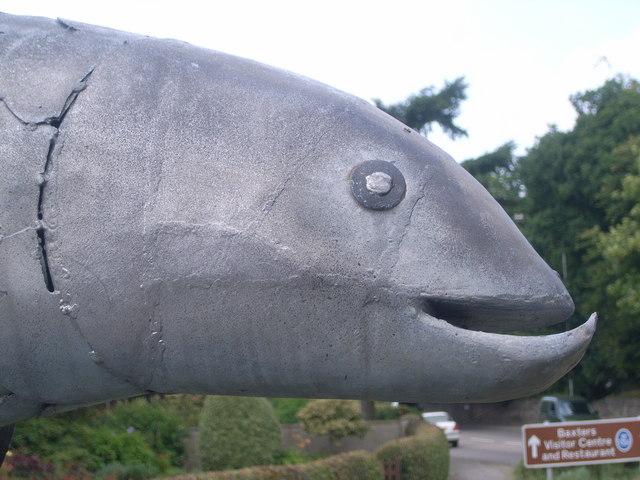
<point>581,443</point>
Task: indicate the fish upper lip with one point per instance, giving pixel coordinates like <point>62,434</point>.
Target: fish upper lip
<point>498,314</point>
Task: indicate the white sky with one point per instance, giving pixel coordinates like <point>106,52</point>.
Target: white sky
<point>522,59</point>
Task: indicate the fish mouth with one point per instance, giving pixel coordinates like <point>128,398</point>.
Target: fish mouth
<point>498,313</point>
<point>491,367</point>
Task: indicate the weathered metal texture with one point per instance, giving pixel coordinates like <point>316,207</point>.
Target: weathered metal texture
<point>180,220</point>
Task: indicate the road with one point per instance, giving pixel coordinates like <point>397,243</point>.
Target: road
<point>487,453</point>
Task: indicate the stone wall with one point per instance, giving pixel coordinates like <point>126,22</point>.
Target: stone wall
<point>523,411</point>
<point>617,407</point>
<point>513,412</point>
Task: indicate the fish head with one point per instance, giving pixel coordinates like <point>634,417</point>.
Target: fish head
<point>214,225</point>
<point>330,251</point>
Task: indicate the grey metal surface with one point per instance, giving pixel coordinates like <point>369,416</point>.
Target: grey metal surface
<point>180,220</point>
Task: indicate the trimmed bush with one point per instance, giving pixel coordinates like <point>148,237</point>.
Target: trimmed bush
<point>423,456</point>
<point>238,432</point>
<point>186,407</point>
<point>336,418</point>
<point>414,423</point>
<point>358,465</point>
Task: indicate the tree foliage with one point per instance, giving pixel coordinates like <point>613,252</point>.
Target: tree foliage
<point>615,268</point>
<point>579,193</point>
<point>336,418</point>
<point>496,171</point>
<point>420,110</point>
<point>238,432</point>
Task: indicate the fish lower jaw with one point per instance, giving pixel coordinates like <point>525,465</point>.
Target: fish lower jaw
<point>494,367</point>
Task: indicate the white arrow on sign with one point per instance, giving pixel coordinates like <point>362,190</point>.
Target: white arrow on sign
<point>534,443</point>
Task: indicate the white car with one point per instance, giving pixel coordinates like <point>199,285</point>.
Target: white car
<point>447,424</point>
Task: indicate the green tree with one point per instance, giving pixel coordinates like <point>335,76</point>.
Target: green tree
<point>615,256</point>
<point>565,172</point>
<point>573,183</point>
<point>420,110</point>
<point>496,171</point>
<point>238,432</point>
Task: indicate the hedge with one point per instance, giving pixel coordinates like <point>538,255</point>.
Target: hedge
<point>423,456</point>
<point>336,418</point>
<point>358,464</point>
<point>237,432</point>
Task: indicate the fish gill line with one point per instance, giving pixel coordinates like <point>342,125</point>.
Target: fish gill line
<point>56,123</point>
<point>393,250</point>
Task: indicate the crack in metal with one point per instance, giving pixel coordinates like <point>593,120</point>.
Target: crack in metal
<point>394,248</point>
<point>31,125</point>
<point>19,232</point>
<point>65,25</point>
<point>55,122</point>
<point>40,231</point>
<point>270,203</point>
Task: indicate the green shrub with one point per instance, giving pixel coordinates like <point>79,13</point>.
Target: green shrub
<point>161,428</point>
<point>287,408</point>
<point>292,456</point>
<point>237,432</point>
<point>358,465</point>
<point>186,407</point>
<point>414,423</point>
<point>423,456</point>
<point>126,472</point>
<point>136,432</point>
<point>48,435</point>
<point>336,418</point>
<point>31,466</point>
<point>62,440</point>
<point>123,448</point>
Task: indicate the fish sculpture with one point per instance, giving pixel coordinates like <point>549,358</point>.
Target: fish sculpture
<point>176,220</point>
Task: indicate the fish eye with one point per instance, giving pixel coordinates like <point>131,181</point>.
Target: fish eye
<point>377,185</point>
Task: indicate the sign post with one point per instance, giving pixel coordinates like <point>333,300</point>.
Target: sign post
<point>568,444</point>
